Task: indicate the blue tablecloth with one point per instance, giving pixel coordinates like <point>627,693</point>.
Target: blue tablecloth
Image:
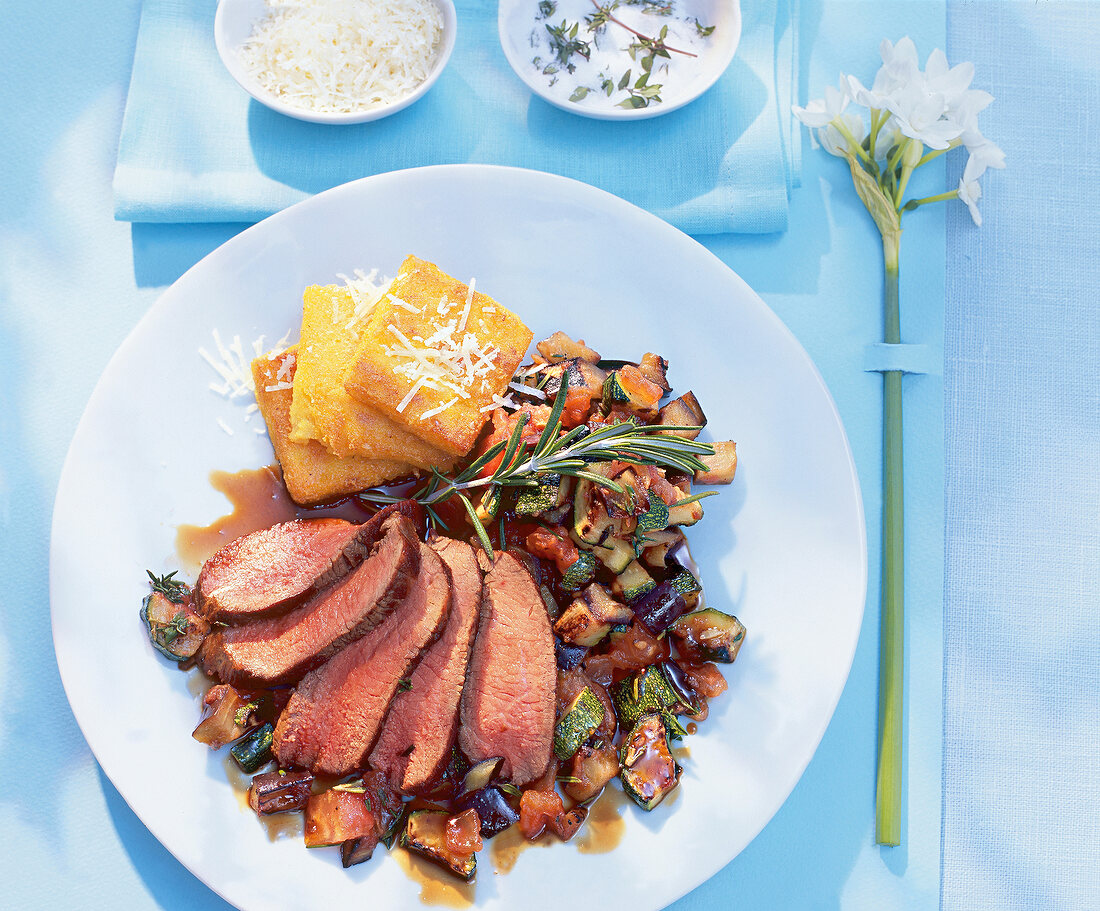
<point>1020,767</point>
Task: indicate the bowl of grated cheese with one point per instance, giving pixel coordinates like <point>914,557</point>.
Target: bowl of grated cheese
<point>335,61</point>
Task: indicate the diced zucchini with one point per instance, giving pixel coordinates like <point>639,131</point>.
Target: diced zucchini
<point>656,517</point>
<point>580,374</point>
<point>338,815</point>
<point>628,386</point>
<point>721,466</point>
<point>643,693</point>
<point>614,553</point>
<point>649,772</point>
<point>591,523</point>
<point>632,582</point>
<point>654,368</point>
<point>560,347</point>
<point>175,629</point>
<point>657,544</point>
<point>683,412</point>
<point>710,634</point>
<point>577,724</point>
<point>426,834</point>
<point>254,749</point>
<point>580,573</point>
<point>548,493</point>
<point>226,716</point>
<point>489,506</point>
<point>280,792</point>
<point>589,618</point>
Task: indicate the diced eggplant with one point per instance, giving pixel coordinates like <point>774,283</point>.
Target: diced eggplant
<point>338,815</point>
<point>567,824</point>
<point>709,635</point>
<point>657,544</point>
<point>175,629</point>
<point>493,809</point>
<point>683,412</point>
<point>560,347</point>
<point>633,582</point>
<point>581,375</point>
<point>655,368</point>
<point>683,580</point>
<point>481,774</point>
<point>385,803</point>
<point>568,656</point>
<point>593,766</point>
<point>589,618</point>
<point>649,772</point>
<point>721,466</point>
<point>426,834</point>
<point>254,749</point>
<point>356,850</point>
<point>578,723</point>
<point>280,792</point>
<point>659,608</point>
<point>227,715</point>
<point>580,573</point>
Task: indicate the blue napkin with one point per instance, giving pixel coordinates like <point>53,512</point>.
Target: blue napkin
<point>196,148</point>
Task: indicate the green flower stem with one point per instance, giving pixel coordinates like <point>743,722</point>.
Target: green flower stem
<point>939,197</point>
<point>892,635</point>
<point>906,173</point>
<point>936,153</point>
<point>877,120</point>
<point>856,147</point>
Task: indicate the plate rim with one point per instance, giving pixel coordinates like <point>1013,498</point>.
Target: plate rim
<point>609,200</point>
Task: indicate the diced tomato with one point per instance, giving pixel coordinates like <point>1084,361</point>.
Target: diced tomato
<point>463,834</point>
<point>335,816</point>
<point>578,404</point>
<point>566,824</point>
<point>705,679</point>
<point>537,809</point>
<point>504,424</point>
<point>636,649</point>
<point>553,544</point>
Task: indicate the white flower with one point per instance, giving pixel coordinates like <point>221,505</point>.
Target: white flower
<point>950,82</point>
<point>888,136</point>
<point>920,116</point>
<point>836,143</point>
<point>970,191</point>
<point>822,111</point>
<point>899,65</point>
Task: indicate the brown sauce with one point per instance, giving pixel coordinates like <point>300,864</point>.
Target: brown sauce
<point>692,727</point>
<point>437,887</point>
<point>506,848</point>
<point>259,499</point>
<point>604,828</point>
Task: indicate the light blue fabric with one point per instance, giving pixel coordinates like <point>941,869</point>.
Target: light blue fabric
<point>195,147</point>
<point>1022,734</point>
<point>1020,760</point>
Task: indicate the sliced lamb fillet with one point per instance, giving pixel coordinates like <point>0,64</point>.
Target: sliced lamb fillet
<point>282,649</point>
<point>508,700</point>
<point>334,716</point>
<point>419,731</point>
<point>270,571</point>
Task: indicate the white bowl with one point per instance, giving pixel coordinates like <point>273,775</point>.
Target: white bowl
<point>516,22</point>
<point>233,24</point>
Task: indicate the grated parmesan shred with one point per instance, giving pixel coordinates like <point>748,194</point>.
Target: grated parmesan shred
<point>342,56</point>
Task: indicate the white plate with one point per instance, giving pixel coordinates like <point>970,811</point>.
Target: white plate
<point>783,547</point>
<point>233,24</point>
<point>523,33</point>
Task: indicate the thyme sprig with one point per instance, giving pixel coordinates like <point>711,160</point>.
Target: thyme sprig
<point>557,451</point>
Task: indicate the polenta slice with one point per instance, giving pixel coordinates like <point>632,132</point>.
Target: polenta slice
<point>435,355</point>
<point>322,410</point>
<point>311,473</point>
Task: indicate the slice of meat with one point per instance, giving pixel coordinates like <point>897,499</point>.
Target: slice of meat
<point>420,727</point>
<point>272,570</point>
<point>508,700</point>
<point>282,649</point>
<point>334,717</point>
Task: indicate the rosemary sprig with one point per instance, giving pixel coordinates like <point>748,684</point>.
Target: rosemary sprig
<point>522,463</point>
<point>174,590</point>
